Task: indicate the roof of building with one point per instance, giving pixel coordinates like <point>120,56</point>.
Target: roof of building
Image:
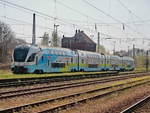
<point>80,34</point>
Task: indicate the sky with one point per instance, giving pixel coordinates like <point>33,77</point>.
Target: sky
<point>121,23</point>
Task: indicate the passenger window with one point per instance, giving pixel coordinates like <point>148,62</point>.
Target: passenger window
<point>58,65</point>
<point>31,58</point>
<point>71,60</point>
<point>82,61</point>
<point>42,58</point>
<point>47,62</point>
<point>36,60</point>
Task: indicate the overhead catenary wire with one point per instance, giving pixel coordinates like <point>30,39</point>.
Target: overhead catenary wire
<point>131,12</point>
<point>123,5</point>
<point>42,27</point>
<point>77,11</point>
<point>40,13</point>
<point>108,15</point>
<point>28,24</point>
<point>43,14</point>
<point>61,20</point>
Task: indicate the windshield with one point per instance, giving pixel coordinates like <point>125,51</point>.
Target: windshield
<point>31,58</point>
<point>20,54</point>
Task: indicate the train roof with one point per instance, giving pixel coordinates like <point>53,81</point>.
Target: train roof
<point>89,54</point>
<point>27,46</point>
<point>58,50</point>
<point>128,58</point>
<point>67,51</point>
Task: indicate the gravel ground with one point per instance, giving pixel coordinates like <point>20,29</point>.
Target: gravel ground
<point>47,95</point>
<point>6,103</point>
<point>114,103</point>
<point>61,102</point>
<point>50,84</point>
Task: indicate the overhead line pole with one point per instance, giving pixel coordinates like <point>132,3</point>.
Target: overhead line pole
<point>34,31</point>
<point>147,61</point>
<point>98,42</point>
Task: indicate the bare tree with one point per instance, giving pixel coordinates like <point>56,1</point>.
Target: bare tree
<point>101,49</point>
<point>55,42</point>
<point>45,39</point>
<point>6,36</point>
<point>7,42</point>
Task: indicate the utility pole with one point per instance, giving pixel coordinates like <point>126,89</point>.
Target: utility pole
<point>56,35</point>
<point>128,51</point>
<point>33,31</point>
<point>133,51</point>
<point>134,54</point>
<point>55,28</point>
<point>3,42</point>
<point>114,47</point>
<point>147,61</point>
<point>98,42</point>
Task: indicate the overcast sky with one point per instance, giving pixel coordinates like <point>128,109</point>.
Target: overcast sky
<point>127,20</point>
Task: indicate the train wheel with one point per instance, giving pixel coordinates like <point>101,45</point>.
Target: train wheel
<point>37,72</point>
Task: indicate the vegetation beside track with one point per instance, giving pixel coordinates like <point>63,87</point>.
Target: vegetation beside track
<point>10,75</point>
<point>7,74</point>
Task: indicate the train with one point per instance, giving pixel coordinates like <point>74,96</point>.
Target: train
<point>35,59</point>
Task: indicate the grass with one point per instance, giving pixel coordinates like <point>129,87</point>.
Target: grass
<point>4,74</point>
<point>7,74</point>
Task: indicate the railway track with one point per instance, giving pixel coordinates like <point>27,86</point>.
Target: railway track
<point>87,95</point>
<point>138,105</point>
<point>4,83</point>
<point>22,92</point>
<point>16,82</point>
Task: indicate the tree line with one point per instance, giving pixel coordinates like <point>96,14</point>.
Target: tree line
<point>7,42</point>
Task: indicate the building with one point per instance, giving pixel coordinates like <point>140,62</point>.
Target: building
<point>79,41</point>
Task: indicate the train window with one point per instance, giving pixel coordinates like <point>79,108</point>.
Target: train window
<point>107,62</point>
<point>31,58</point>
<point>42,58</point>
<point>20,54</point>
<point>82,61</point>
<point>36,60</point>
<point>93,65</point>
<point>58,65</point>
<point>65,53</point>
<point>82,54</point>
<point>71,60</point>
<point>47,62</point>
<point>61,53</point>
<point>54,52</point>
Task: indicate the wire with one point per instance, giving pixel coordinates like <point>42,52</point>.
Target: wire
<point>79,12</point>
<point>129,10</point>
<point>108,15</point>
<point>31,10</point>
<point>59,20</point>
<point>130,13</point>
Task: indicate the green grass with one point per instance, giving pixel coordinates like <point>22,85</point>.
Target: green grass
<point>4,74</point>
